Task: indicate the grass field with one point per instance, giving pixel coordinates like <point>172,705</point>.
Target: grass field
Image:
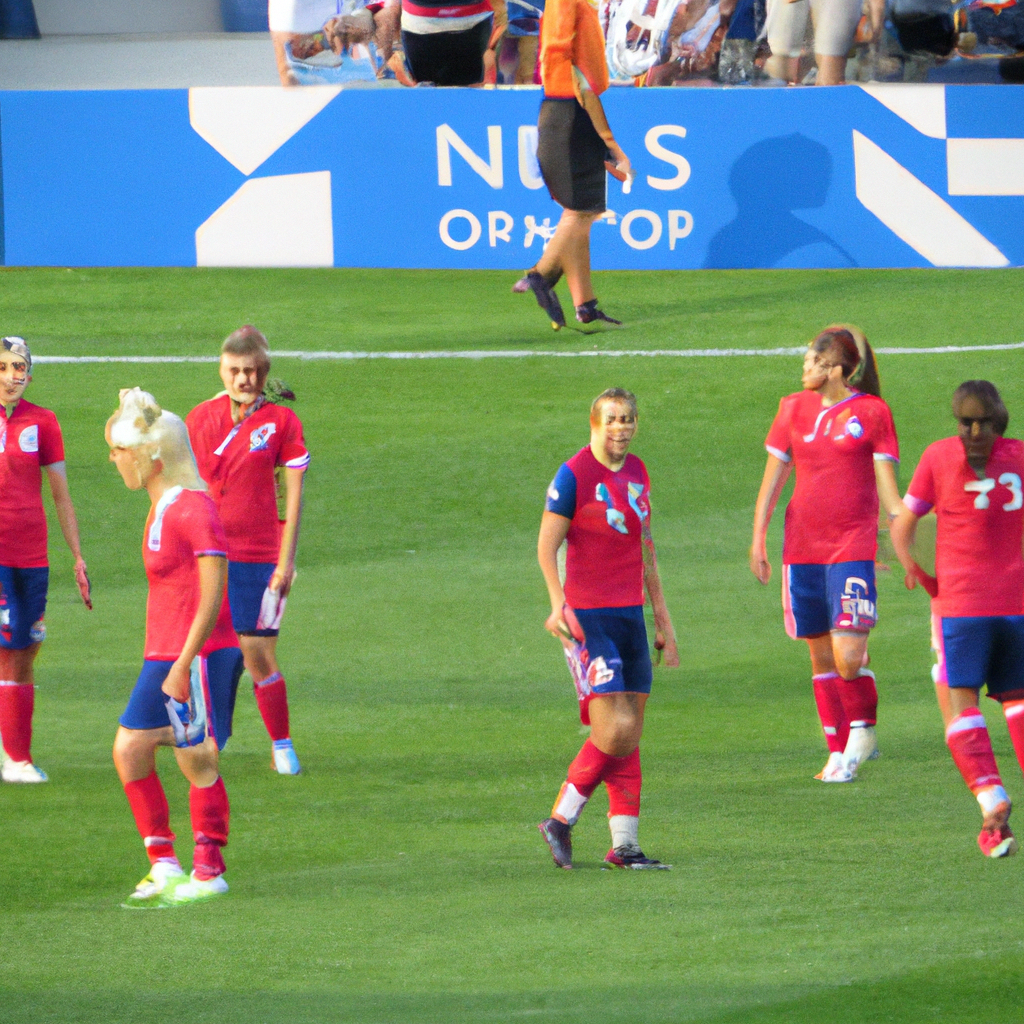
<point>400,878</point>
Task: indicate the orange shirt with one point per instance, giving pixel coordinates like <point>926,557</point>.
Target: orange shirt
<point>570,34</point>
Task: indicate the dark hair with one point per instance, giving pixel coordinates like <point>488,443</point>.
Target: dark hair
<point>612,395</point>
<point>848,346</point>
<point>988,394</point>
<point>247,341</point>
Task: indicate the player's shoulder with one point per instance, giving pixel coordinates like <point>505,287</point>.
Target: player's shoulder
<point>38,412</point>
<point>193,504</point>
<point>1010,447</point>
<point>946,449</point>
<point>209,409</point>
<point>581,461</point>
<point>634,466</point>
<point>875,403</point>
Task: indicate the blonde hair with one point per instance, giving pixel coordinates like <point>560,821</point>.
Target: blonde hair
<point>140,424</point>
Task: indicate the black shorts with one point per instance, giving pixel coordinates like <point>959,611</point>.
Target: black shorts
<point>571,156</point>
<point>448,58</point>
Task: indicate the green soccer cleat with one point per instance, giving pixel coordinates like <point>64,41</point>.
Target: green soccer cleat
<point>153,891</point>
<point>197,890</point>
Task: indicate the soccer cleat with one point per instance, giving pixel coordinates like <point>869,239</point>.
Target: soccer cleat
<point>632,857</point>
<point>195,890</point>
<point>558,836</point>
<point>286,761</point>
<point>153,891</point>
<point>860,747</point>
<point>546,298</point>
<point>588,313</point>
<point>995,838</point>
<point>835,769</point>
<point>21,771</point>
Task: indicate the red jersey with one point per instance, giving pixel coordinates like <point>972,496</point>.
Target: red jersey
<point>181,527</point>
<point>29,440</point>
<point>980,524</point>
<point>237,461</point>
<point>833,514</point>
<point>223,634</point>
<point>604,565</point>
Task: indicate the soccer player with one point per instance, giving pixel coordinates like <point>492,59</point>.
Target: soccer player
<point>181,691</point>
<point>30,441</point>
<point>575,146</point>
<point>599,503</point>
<point>240,440</point>
<point>840,436</point>
<point>974,483</point>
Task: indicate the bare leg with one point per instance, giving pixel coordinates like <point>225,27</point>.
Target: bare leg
<point>831,70</point>
<point>568,252</point>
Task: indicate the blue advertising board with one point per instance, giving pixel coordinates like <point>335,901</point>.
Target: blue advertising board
<point>872,176</point>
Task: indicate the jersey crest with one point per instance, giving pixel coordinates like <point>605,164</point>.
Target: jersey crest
<point>260,437</point>
<point>29,440</point>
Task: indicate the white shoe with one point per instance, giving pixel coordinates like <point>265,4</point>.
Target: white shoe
<point>286,761</point>
<point>21,771</point>
<point>153,891</point>
<point>860,747</point>
<point>196,890</point>
<point>835,770</point>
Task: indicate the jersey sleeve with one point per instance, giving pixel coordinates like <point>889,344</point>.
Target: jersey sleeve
<point>203,529</point>
<point>293,453</point>
<point>51,442</point>
<point>885,445</point>
<point>778,440</point>
<point>561,497</point>
<point>920,497</point>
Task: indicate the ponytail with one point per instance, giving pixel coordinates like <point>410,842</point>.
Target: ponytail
<point>850,349</point>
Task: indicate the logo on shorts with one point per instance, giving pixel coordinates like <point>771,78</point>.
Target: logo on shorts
<point>260,437</point>
<point>37,633</point>
<point>29,440</point>
<point>598,673</point>
<point>858,612</point>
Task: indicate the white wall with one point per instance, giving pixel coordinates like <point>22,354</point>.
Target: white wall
<point>102,17</point>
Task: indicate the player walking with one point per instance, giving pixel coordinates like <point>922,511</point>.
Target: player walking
<point>599,502</point>
<point>574,148</point>
<point>183,693</point>
<point>30,441</point>
<point>840,436</point>
<point>973,481</point>
<point>240,439</point>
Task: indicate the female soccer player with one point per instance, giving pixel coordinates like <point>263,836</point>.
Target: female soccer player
<point>574,148</point>
<point>599,502</point>
<point>840,436</point>
<point>180,694</point>
<point>30,441</point>
<point>240,439</point>
<point>974,483</point>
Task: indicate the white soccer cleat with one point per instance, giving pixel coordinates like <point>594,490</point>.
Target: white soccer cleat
<point>286,761</point>
<point>21,771</point>
<point>154,890</point>
<point>835,770</point>
<point>860,747</point>
<point>195,890</point>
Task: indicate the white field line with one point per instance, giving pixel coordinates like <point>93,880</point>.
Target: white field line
<point>684,353</point>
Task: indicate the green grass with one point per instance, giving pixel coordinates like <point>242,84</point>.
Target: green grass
<point>400,878</point>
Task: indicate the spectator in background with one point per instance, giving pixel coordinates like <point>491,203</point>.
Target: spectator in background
<point>445,44</point>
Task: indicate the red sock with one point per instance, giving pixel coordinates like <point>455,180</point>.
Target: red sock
<point>834,722</point>
<point>860,698</point>
<point>969,743</point>
<point>16,703</point>
<point>272,700</point>
<point>210,817</point>
<point>1014,711</point>
<point>148,802</point>
<point>623,781</point>
<point>584,776</point>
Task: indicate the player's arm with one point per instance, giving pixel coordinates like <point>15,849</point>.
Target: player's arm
<point>888,490</point>
<point>903,531</point>
<point>776,473</point>
<point>57,474</point>
<point>619,166</point>
<point>284,574</point>
<point>213,577</point>
<point>664,633</point>
<point>553,531</point>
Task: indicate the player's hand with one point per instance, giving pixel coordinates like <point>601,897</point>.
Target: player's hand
<point>918,575</point>
<point>621,169</point>
<point>760,566</point>
<point>82,579</point>
<point>665,650</point>
<point>281,582</point>
<point>177,685</point>
<point>556,625</point>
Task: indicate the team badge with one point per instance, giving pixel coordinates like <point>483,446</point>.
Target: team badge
<point>29,439</point>
<point>854,427</point>
<point>260,437</point>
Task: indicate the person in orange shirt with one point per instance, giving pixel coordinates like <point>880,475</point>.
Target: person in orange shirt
<point>575,146</point>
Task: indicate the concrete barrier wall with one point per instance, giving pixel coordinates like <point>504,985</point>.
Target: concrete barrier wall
<point>103,17</point>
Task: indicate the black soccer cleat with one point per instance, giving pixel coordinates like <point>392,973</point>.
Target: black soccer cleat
<point>632,857</point>
<point>546,298</point>
<point>588,313</point>
<point>558,836</point>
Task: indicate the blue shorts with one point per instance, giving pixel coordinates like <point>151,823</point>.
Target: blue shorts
<point>22,606</point>
<point>817,599</point>
<point>147,705</point>
<point>616,644</point>
<point>247,583</point>
<point>979,650</point>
